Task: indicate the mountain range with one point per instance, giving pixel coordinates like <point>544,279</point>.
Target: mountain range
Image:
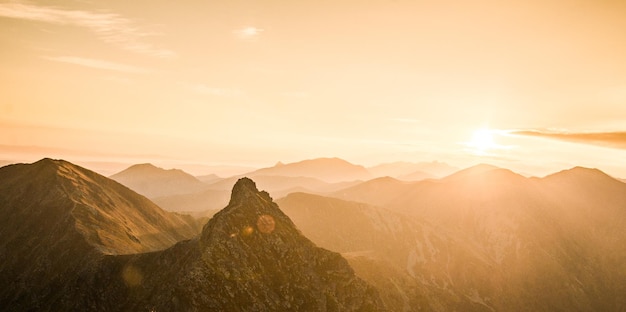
<point>480,239</point>
<point>176,190</point>
<point>71,240</point>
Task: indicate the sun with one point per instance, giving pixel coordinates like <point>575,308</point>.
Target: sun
<point>482,141</point>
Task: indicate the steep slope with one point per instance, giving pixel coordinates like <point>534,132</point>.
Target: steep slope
<point>152,181</point>
<point>397,254</point>
<point>326,169</point>
<point>57,218</point>
<point>107,214</point>
<point>249,257</point>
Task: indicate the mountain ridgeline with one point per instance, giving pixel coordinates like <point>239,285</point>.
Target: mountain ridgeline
<point>483,239</point>
<point>71,240</point>
<point>480,239</point>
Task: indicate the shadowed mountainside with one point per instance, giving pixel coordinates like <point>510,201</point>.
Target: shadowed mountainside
<point>57,217</point>
<point>249,256</point>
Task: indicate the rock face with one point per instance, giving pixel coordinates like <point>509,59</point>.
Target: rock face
<point>249,257</point>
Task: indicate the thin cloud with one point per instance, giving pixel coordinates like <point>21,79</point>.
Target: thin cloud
<point>248,33</point>
<point>609,139</point>
<point>97,64</point>
<point>109,27</point>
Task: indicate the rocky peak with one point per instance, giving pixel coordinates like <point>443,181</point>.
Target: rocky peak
<point>244,190</point>
<point>251,214</point>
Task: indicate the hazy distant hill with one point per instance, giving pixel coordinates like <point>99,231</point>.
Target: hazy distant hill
<point>329,170</point>
<point>279,186</point>
<point>152,182</point>
<point>248,257</point>
<point>195,203</point>
<point>416,176</point>
<point>209,178</point>
<point>535,244</point>
<point>471,171</point>
<point>377,191</point>
<point>412,171</point>
<point>397,254</point>
<point>207,202</point>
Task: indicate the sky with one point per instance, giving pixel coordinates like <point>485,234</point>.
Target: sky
<point>535,86</point>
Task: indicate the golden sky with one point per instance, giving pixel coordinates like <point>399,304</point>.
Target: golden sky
<point>255,82</point>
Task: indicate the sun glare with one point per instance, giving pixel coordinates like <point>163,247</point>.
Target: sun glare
<point>482,141</point>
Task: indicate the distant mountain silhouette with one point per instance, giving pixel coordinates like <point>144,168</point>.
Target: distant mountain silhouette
<point>282,185</point>
<point>206,203</point>
<point>196,204</point>
<point>416,176</point>
<point>152,181</point>
<point>409,171</point>
<point>506,241</point>
<point>249,256</point>
<point>329,170</point>
<point>376,192</point>
<point>209,178</point>
<point>470,171</point>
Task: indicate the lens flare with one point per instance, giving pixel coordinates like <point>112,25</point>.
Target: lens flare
<point>266,224</point>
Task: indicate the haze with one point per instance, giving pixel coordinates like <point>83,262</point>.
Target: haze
<point>536,86</point>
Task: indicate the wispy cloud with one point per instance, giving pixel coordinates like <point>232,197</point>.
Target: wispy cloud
<point>248,33</point>
<point>109,27</point>
<point>98,64</point>
<point>609,139</point>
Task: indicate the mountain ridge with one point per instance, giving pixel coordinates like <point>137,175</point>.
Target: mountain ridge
<point>152,181</point>
<point>249,256</point>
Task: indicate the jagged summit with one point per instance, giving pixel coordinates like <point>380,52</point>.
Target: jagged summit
<point>250,213</point>
<point>245,188</point>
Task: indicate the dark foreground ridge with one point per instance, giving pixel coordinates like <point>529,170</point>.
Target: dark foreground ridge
<point>249,257</point>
